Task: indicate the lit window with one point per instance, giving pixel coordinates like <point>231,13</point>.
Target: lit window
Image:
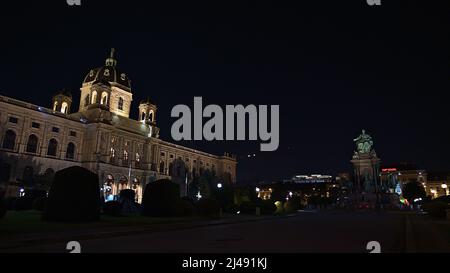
<point>94,97</point>
<point>64,107</point>
<point>104,100</point>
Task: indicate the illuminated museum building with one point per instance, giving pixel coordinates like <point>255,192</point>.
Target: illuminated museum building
<point>101,137</point>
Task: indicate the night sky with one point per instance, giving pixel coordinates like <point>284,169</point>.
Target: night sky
<point>334,67</point>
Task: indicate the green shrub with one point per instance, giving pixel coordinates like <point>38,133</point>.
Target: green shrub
<point>247,207</point>
<point>184,207</point>
<point>436,209</point>
<point>112,208</point>
<point>73,197</point>
<point>208,207</point>
<point>160,198</point>
<point>40,203</point>
<point>128,194</point>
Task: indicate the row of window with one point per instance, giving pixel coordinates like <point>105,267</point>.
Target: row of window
<point>37,125</point>
<point>9,143</point>
<point>163,154</point>
<point>125,157</point>
<point>177,171</point>
<point>104,100</point>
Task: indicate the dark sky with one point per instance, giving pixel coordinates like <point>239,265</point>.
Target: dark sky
<point>334,67</point>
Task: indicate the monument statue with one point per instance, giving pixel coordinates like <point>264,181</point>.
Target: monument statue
<point>366,166</point>
<point>364,143</point>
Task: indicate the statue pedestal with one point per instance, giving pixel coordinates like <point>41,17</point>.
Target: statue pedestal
<point>366,172</point>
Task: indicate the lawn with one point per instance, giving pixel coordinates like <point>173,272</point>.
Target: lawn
<point>23,222</point>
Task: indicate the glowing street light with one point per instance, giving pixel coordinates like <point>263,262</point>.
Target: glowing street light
<point>219,185</point>
<point>258,189</point>
<point>199,196</point>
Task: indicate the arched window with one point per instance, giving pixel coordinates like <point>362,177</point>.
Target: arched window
<point>125,158</point>
<point>70,152</point>
<point>143,116</point>
<point>150,116</point>
<point>161,167</point>
<point>32,144</point>
<point>120,104</point>
<point>86,100</point>
<point>112,155</point>
<point>138,160</point>
<point>64,107</point>
<point>55,106</point>
<point>104,98</point>
<point>52,147</point>
<point>9,142</point>
<point>94,97</point>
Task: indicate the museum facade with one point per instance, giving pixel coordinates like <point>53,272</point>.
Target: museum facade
<point>100,136</point>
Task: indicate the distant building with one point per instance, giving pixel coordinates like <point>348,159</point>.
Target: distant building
<point>310,179</point>
<point>395,176</point>
<point>438,184</point>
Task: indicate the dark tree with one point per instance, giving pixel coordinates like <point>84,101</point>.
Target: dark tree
<point>413,190</point>
<point>74,196</point>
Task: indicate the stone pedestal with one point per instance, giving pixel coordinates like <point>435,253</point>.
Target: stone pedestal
<point>366,173</point>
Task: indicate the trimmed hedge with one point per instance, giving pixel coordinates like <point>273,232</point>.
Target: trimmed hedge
<point>112,208</point>
<point>160,198</point>
<point>128,194</point>
<point>73,197</point>
<point>184,207</point>
<point>208,207</point>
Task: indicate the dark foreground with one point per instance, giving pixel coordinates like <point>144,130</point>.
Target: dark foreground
<point>305,232</point>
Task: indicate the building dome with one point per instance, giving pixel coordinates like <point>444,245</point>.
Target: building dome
<point>63,92</point>
<point>146,101</point>
<point>108,74</point>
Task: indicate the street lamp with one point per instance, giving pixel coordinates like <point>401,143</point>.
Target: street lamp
<point>219,185</point>
<point>258,189</point>
<point>444,187</point>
